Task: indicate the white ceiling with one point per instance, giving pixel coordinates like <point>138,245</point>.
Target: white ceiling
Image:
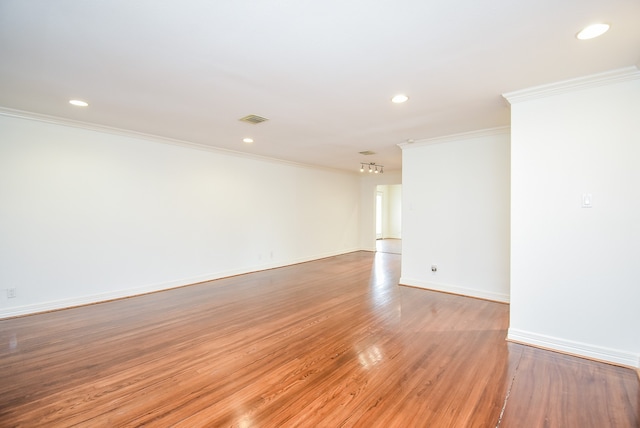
<point>322,71</point>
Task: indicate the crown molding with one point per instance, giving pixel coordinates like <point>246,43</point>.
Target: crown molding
<point>501,130</point>
<point>54,120</point>
<point>586,82</point>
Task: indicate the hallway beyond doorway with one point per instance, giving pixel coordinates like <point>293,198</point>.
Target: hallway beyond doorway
<point>393,246</point>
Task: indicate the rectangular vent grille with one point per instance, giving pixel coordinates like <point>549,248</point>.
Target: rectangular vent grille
<point>253,119</point>
<point>367,153</point>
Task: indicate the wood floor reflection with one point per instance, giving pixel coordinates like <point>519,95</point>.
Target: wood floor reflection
<point>330,343</point>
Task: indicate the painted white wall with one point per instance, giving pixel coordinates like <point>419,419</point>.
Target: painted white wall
<point>368,188</point>
<point>575,275</point>
<point>455,214</point>
<point>87,216</point>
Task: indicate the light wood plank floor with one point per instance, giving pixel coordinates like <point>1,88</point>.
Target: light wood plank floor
<point>330,343</point>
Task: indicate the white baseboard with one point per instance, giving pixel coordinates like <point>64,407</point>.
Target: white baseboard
<point>579,349</point>
<point>53,305</point>
<point>453,289</point>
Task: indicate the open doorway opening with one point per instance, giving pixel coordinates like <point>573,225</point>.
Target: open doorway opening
<point>389,218</point>
<point>379,214</point>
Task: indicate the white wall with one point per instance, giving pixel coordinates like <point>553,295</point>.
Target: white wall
<point>455,214</point>
<point>368,186</point>
<point>87,216</point>
<point>575,275</point>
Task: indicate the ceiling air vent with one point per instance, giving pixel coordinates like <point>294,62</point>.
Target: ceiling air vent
<point>253,119</point>
<point>367,153</point>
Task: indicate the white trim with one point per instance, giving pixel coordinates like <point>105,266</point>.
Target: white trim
<point>585,350</point>
<point>137,291</point>
<point>54,120</point>
<point>592,81</point>
<point>457,137</point>
<point>454,289</point>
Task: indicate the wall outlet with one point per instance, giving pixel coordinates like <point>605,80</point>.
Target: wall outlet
<point>434,268</point>
<point>11,293</point>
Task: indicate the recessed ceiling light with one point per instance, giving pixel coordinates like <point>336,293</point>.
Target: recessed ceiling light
<point>78,103</point>
<point>399,99</point>
<point>248,140</point>
<point>592,31</point>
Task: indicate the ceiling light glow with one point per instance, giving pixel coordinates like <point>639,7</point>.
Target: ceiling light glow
<point>592,31</point>
<point>78,103</point>
<point>399,99</point>
<point>248,140</point>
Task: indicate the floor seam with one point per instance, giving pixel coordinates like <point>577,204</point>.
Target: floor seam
<point>506,398</point>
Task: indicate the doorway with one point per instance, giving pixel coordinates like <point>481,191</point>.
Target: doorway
<point>378,214</point>
<point>388,208</point>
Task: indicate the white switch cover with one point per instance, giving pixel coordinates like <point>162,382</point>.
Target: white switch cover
<point>587,200</point>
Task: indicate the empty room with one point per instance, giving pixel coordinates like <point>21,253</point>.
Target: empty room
<point>319,214</point>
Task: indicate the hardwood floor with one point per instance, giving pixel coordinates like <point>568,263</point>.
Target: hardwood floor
<point>389,245</point>
<point>330,343</point>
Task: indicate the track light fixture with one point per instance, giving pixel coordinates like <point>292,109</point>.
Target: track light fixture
<point>371,167</point>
